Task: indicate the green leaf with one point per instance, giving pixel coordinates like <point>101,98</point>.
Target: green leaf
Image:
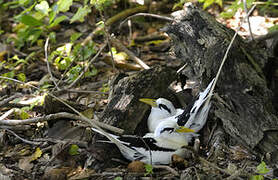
<point>207,3</point>
<point>53,13</point>
<point>273,28</point>
<point>219,2</point>
<point>93,72</point>
<point>21,77</point>
<point>64,5</point>
<point>30,21</point>
<point>43,7</point>
<point>226,15</point>
<point>24,114</point>
<point>257,177</point>
<point>73,150</point>
<point>34,34</point>
<point>52,37</point>
<point>101,4</point>
<point>57,21</point>
<point>75,36</point>
<point>80,14</point>
<point>249,3</point>
<point>118,178</point>
<point>262,168</point>
<point>149,169</point>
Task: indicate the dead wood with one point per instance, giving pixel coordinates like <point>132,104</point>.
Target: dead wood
<point>248,114</point>
<point>124,108</point>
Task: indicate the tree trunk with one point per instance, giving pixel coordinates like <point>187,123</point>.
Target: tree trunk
<point>124,109</point>
<point>245,106</point>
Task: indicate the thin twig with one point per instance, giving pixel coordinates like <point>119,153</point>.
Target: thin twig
<point>48,66</point>
<point>64,141</point>
<point>168,168</point>
<point>13,122</point>
<point>225,57</point>
<point>6,114</point>
<point>267,36</point>
<point>24,140</point>
<point>149,15</point>
<point>5,101</point>
<point>149,149</point>
<point>237,173</point>
<point>108,39</point>
<point>16,127</point>
<point>91,122</point>
<point>84,91</point>
<point>132,56</point>
<point>247,18</point>
<point>88,65</point>
<point>213,166</point>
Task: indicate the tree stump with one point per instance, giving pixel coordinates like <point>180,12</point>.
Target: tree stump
<point>124,109</point>
<point>245,104</point>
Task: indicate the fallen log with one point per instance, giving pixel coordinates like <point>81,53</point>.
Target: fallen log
<point>246,107</point>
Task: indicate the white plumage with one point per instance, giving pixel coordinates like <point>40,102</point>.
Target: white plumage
<point>195,115</point>
<point>169,129</point>
<point>160,145</point>
<point>161,109</point>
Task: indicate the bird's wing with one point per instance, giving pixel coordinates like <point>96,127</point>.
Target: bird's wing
<point>140,148</point>
<point>195,115</point>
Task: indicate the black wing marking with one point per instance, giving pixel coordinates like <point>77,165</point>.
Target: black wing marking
<point>139,142</point>
<point>183,117</point>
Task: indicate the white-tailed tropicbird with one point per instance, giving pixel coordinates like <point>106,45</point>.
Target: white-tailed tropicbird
<point>195,115</point>
<point>160,145</point>
<point>161,109</point>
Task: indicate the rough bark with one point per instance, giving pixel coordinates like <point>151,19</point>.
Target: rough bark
<point>246,110</point>
<point>124,109</point>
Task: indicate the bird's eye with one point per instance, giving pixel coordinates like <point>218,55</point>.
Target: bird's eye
<point>170,130</point>
<point>163,106</point>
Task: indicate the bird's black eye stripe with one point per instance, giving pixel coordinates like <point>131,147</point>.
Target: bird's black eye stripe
<point>163,106</point>
<point>167,129</point>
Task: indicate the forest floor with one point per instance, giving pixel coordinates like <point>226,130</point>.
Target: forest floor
<point>32,146</point>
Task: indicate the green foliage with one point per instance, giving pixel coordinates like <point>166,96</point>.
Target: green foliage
<point>179,4</point>
<point>72,57</point>
<point>101,4</point>
<point>207,3</point>
<point>11,65</point>
<point>73,150</point>
<point>149,169</point>
<point>35,21</point>
<point>231,10</point>
<point>39,17</point>
<point>261,169</point>
<point>81,13</point>
<point>273,28</point>
<point>118,178</point>
<point>105,88</point>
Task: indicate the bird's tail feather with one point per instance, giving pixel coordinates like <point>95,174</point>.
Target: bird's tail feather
<point>200,109</point>
<point>126,151</point>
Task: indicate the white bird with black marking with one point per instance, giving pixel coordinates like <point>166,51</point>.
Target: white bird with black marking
<point>154,148</point>
<point>195,115</point>
<point>161,110</point>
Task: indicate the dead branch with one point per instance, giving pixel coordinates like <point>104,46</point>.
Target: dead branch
<point>13,122</point>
